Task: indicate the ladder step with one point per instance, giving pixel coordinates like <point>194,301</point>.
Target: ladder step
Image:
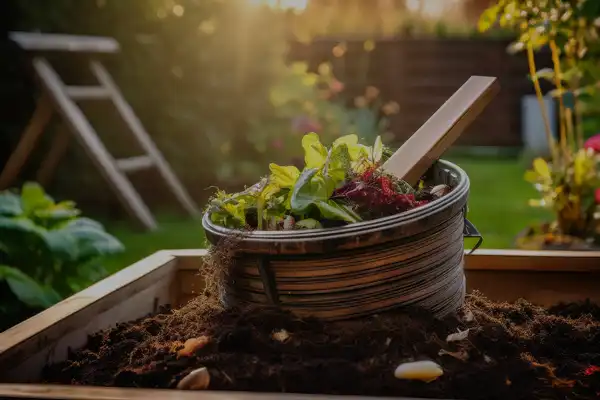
<point>87,92</point>
<point>135,163</point>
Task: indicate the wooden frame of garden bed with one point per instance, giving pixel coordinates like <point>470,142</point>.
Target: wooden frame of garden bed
<point>171,277</point>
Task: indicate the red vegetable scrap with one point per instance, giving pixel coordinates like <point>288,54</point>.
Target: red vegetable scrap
<point>374,195</point>
<point>592,369</point>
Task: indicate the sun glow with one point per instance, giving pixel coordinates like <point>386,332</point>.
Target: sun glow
<point>430,8</point>
<point>295,5</point>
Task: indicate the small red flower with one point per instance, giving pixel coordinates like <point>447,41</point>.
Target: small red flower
<point>593,143</point>
<point>277,144</point>
<point>592,369</point>
<point>597,195</point>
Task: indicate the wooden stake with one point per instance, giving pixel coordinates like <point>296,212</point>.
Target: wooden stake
<point>430,141</point>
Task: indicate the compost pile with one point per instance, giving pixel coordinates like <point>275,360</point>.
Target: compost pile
<point>339,185</point>
<point>487,350</point>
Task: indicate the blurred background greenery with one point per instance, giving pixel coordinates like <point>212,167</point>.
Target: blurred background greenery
<point>226,86</point>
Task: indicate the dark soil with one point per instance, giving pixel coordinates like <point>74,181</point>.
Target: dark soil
<point>513,351</point>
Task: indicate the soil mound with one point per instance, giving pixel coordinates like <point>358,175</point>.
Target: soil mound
<point>511,351</point>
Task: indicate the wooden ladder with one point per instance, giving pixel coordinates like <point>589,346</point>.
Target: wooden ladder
<point>63,98</point>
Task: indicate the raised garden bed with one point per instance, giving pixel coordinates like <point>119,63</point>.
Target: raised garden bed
<point>171,277</point>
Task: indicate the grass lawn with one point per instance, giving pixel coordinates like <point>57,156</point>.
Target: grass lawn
<point>497,207</point>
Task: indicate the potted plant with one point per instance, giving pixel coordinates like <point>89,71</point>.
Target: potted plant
<point>569,180</point>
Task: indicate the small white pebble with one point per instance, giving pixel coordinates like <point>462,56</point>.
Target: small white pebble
<point>457,337</point>
<point>198,379</point>
<point>426,371</point>
<point>281,335</point>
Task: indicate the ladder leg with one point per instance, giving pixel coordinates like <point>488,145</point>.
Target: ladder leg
<point>58,148</point>
<point>144,139</point>
<point>41,117</point>
<point>88,138</point>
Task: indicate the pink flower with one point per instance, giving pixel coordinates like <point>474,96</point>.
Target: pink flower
<point>593,143</point>
<point>305,125</point>
<point>277,144</point>
<point>336,86</point>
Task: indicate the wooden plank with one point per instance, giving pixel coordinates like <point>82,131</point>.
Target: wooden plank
<point>87,92</point>
<point>88,138</point>
<point>428,143</point>
<point>144,139</point>
<point>544,288</point>
<point>481,259</point>
<point>58,148</point>
<point>35,41</point>
<point>527,260</point>
<point>129,294</point>
<point>135,163</point>
<point>106,393</point>
<point>40,119</point>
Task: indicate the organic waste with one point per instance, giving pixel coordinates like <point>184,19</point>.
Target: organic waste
<point>339,185</point>
<point>487,350</point>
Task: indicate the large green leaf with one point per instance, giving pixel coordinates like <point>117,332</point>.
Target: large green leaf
<point>355,149</point>
<point>55,214</point>
<point>332,210</point>
<point>338,164</point>
<point>315,153</point>
<point>284,177</point>
<point>10,204</point>
<point>307,190</point>
<point>62,244</point>
<point>33,197</point>
<point>22,240</point>
<point>92,241</point>
<point>27,289</point>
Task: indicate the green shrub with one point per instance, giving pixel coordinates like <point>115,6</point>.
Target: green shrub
<point>47,251</point>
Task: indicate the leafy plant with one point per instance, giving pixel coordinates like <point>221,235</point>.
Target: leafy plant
<point>321,193</point>
<point>569,181</point>
<point>47,251</point>
<point>303,101</point>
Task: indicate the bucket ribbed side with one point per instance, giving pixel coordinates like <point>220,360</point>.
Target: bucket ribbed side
<point>412,259</point>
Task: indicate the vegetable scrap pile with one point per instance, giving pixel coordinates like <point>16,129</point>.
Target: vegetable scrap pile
<point>486,351</point>
<point>339,185</point>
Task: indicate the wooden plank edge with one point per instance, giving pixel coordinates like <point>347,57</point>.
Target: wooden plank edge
<point>65,392</point>
<point>36,41</point>
<point>35,325</point>
<point>531,260</point>
<point>483,259</point>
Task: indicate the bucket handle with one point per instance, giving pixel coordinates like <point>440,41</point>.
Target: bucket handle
<point>470,231</point>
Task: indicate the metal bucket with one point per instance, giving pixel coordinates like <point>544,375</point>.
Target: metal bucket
<point>411,259</point>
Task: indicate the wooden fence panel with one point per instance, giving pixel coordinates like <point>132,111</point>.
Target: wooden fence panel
<point>420,74</point>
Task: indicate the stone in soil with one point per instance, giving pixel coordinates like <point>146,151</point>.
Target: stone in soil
<point>511,351</point>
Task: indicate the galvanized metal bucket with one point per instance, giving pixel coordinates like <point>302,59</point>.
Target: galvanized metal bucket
<point>410,259</point>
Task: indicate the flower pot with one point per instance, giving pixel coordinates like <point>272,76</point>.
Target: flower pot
<point>410,259</point>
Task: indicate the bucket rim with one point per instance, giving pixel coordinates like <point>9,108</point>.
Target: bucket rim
<point>458,192</point>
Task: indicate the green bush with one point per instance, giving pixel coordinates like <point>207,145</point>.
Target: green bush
<point>47,252</point>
